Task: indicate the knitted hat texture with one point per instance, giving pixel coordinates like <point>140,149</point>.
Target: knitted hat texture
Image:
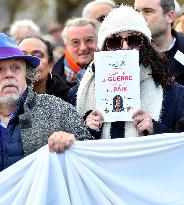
<point>124,18</point>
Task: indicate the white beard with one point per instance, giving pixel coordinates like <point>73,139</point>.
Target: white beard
<point>11,96</point>
<point>12,99</point>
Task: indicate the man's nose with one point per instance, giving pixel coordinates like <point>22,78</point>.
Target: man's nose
<point>8,72</point>
<point>82,45</point>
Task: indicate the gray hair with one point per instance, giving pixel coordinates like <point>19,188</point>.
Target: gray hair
<point>31,75</point>
<point>88,7</point>
<point>28,23</point>
<point>167,5</point>
<point>79,21</point>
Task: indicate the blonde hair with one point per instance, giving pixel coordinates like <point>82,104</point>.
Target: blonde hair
<point>178,24</point>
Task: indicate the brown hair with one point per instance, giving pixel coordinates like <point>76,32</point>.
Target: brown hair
<point>157,62</point>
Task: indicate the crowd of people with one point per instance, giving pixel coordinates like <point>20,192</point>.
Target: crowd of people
<point>48,96</point>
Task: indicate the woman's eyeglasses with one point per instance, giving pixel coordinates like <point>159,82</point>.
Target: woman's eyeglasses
<point>116,42</point>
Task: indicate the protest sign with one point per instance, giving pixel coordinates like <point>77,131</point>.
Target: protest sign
<point>117,84</point>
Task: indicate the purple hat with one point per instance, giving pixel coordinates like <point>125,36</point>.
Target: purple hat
<point>9,49</point>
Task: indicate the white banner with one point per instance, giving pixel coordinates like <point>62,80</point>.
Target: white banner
<point>132,171</point>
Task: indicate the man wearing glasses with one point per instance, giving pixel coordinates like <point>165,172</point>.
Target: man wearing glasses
<point>80,39</point>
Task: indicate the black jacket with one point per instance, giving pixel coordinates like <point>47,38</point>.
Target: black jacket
<point>57,86</point>
<point>176,69</point>
<point>58,68</point>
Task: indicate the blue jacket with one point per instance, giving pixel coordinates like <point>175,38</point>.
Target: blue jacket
<point>11,148</point>
<point>176,68</point>
<point>36,118</point>
<point>172,111</point>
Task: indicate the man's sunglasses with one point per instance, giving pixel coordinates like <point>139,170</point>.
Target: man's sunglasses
<point>116,42</point>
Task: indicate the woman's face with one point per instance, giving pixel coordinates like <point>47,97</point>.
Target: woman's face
<point>125,40</point>
<point>35,47</point>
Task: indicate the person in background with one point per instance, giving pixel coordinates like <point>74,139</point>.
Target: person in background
<point>47,82</point>
<point>55,32</point>
<point>29,120</point>
<point>160,15</point>
<point>80,39</point>
<point>179,24</point>
<point>22,28</point>
<point>54,36</point>
<point>97,9</point>
<point>162,103</point>
<point>177,8</point>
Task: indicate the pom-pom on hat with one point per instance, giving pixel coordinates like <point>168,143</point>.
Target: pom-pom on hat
<point>124,18</point>
<point>9,49</point>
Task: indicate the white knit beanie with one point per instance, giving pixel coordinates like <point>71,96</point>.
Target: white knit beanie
<point>124,18</point>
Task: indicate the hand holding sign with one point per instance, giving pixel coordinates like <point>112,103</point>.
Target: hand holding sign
<point>143,122</point>
<point>94,120</point>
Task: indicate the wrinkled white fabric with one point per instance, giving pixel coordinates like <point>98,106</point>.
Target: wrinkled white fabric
<point>131,171</point>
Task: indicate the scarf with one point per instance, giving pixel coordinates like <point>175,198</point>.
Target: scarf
<point>71,68</point>
<point>151,99</point>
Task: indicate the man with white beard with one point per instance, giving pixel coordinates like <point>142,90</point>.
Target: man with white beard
<point>28,120</point>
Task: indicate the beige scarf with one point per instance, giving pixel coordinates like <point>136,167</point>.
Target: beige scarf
<point>151,99</point>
